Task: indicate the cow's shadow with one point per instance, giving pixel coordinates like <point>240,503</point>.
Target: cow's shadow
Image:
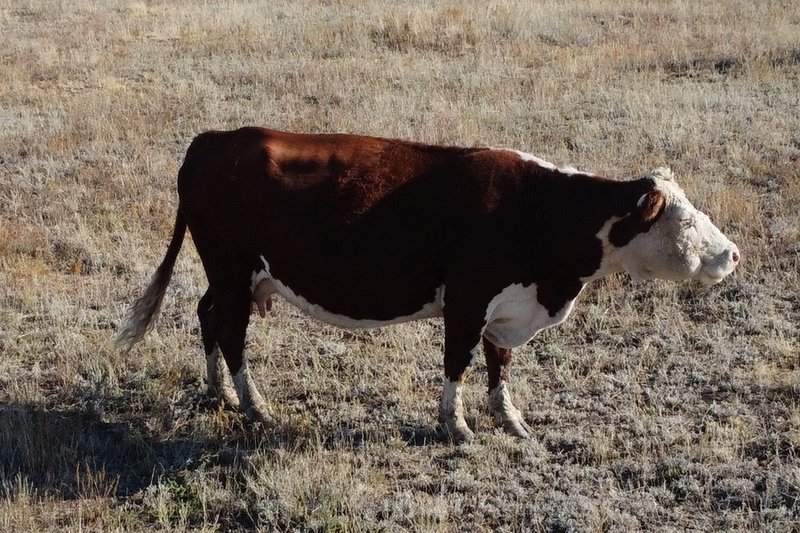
<point>74,453</point>
<point>412,435</point>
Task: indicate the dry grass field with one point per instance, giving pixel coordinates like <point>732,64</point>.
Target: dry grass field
<point>657,406</point>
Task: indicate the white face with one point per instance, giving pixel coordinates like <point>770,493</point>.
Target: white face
<point>682,244</point>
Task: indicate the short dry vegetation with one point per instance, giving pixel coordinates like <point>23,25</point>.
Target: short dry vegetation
<point>657,406</point>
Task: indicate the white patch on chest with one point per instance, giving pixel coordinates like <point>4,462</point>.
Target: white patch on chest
<point>514,316</point>
<point>263,284</point>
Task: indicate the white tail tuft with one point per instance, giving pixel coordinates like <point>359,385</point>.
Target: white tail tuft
<point>145,309</point>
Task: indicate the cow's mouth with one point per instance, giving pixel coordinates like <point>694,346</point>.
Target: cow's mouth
<point>707,280</point>
<point>711,276</point>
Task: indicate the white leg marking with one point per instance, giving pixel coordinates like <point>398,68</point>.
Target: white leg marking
<point>218,382</point>
<point>250,400</point>
<point>451,412</point>
<point>212,368</point>
<point>473,353</point>
<point>240,384</point>
<point>505,414</point>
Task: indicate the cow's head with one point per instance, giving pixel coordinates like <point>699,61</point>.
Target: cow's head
<point>666,237</point>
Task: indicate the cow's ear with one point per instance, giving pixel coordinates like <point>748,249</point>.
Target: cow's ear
<point>650,206</point>
<point>639,220</point>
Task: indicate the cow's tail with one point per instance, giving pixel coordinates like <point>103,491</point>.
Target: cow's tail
<point>145,309</point>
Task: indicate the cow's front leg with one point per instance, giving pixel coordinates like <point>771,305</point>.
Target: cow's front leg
<point>503,411</point>
<point>460,345</point>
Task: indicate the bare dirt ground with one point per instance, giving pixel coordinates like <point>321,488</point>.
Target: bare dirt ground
<point>656,406</point>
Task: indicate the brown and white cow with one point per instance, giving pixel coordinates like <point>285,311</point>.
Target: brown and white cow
<point>363,232</point>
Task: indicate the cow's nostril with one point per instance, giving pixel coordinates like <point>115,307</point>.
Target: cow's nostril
<point>735,256</point>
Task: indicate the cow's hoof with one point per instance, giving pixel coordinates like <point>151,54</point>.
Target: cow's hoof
<point>459,433</point>
<point>512,423</point>
<point>225,393</point>
<point>505,414</point>
<point>517,428</point>
<point>258,415</point>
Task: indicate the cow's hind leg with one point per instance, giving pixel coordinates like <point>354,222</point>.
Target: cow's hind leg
<point>219,385</point>
<point>231,316</point>
<point>504,412</point>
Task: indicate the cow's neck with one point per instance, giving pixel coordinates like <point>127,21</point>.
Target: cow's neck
<point>597,203</point>
<point>618,259</point>
<point>614,259</point>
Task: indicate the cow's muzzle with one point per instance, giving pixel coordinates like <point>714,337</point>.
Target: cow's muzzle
<point>720,265</point>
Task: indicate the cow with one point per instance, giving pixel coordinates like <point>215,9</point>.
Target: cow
<point>362,232</point>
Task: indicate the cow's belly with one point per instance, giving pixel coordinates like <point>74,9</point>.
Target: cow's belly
<point>263,285</point>
<point>514,316</point>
